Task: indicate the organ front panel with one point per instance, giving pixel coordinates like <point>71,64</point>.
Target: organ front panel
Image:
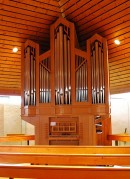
<point>66,90</point>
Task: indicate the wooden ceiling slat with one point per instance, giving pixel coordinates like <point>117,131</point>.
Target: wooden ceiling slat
<point>9,55</point>
<point>4,42</point>
<point>114,63</point>
<point>20,35</point>
<point>10,80</point>
<point>120,26</point>
<point>72,7</point>
<point>86,8</point>
<point>24,22</point>
<point>30,14</point>
<point>122,42</point>
<point>123,51</point>
<point>105,25</point>
<point>120,69</point>
<point>13,67</point>
<point>11,84</point>
<point>8,73</point>
<point>10,59</point>
<point>9,51</point>
<point>119,84</point>
<point>120,80</point>
<point>35,4</point>
<point>120,65</point>
<point>17,63</point>
<point>5,76</point>
<point>122,34</point>
<point>108,14</point>
<point>19,16</point>
<point>13,80</point>
<point>119,57</point>
<point>16,40</point>
<point>29,8</point>
<point>122,89</point>
<point>119,73</point>
<point>49,2</point>
<point>127,76</point>
<point>118,29</point>
<point>8,86</point>
<point>10,69</point>
<point>121,47</point>
<point>63,2</point>
<point>121,37</point>
<point>7,26</point>
<point>23,31</point>
<point>10,91</point>
<point>10,48</point>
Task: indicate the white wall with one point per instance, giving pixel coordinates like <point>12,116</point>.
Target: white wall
<point>120,115</point>
<point>10,119</point>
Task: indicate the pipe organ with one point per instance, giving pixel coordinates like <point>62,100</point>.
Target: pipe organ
<point>65,91</point>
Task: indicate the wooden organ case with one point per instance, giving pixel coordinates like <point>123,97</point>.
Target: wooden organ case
<point>65,91</point>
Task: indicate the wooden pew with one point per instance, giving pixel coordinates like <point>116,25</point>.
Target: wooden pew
<point>64,162</point>
<point>119,137</point>
<point>66,159</point>
<point>64,172</point>
<point>67,149</point>
<point>17,137</point>
<point>65,155</point>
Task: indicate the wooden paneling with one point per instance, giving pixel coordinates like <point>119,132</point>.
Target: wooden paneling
<point>22,20</point>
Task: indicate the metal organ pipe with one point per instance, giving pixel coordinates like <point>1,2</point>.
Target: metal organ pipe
<point>81,79</point>
<point>57,69</point>
<point>44,74</point>
<point>65,69</point>
<point>69,70</point>
<point>103,76</point>
<point>56,72</point>
<point>100,75</point>
<point>62,66</point>
<point>97,73</point>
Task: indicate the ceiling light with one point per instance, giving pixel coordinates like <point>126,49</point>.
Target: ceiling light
<point>117,42</point>
<point>15,49</point>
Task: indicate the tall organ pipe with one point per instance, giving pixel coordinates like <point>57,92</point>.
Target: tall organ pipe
<point>65,68</point>
<point>69,68</point>
<point>97,72</point>
<point>61,65</point>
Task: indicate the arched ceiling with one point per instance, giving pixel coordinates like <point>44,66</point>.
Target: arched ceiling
<point>22,20</point>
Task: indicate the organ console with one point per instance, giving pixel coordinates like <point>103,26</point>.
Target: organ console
<point>65,91</point>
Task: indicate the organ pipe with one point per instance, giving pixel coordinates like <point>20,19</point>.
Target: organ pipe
<point>44,75</point>
<point>62,66</point>
<point>97,73</point>
<point>81,79</point>
<point>29,76</point>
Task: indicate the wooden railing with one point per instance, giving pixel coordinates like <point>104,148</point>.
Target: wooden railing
<point>17,137</point>
<point>119,137</point>
<point>64,162</point>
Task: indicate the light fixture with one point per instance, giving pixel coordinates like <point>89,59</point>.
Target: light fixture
<point>15,49</point>
<point>117,42</point>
